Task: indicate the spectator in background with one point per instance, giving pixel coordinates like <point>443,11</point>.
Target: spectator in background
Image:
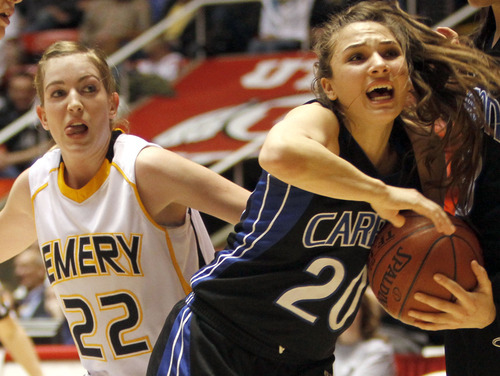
<point>159,9</point>
<point>52,307</point>
<point>435,11</point>
<point>29,296</point>
<point>322,10</point>
<point>153,74</point>
<point>161,60</point>
<point>284,25</point>
<point>360,349</point>
<point>15,340</point>
<point>50,14</point>
<point>183,20</point>
<point>19,152</point>
<point>109,24</point>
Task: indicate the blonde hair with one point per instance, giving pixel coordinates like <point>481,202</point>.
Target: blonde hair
<point>66,48</point>
<point>96,57</point>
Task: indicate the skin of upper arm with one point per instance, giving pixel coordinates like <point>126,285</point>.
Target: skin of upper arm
<point>17,223</point>
<point>168,183</point>
<point>310,127</point>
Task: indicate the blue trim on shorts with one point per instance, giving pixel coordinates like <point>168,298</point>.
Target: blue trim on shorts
<point>176,356</point>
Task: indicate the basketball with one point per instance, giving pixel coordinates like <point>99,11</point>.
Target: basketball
<point>404,260</point>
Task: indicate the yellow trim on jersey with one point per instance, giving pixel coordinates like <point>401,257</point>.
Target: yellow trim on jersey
<point>40,189</point>
<point>185,285</point>
<point>36,194</point>
<point>80,195</point>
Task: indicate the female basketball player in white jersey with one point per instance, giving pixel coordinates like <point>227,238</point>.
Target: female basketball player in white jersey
<point>115,216</point>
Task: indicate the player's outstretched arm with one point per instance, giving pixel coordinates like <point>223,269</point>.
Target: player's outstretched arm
<point>20,346</point>
<point>17,224</point>
<point>168,183</point>
<point>303,150</point>
<point>471,309</point>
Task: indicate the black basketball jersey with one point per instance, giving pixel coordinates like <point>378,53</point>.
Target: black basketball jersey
<point>290,280</point>
<point>476,352</point>
<point>485,213</point>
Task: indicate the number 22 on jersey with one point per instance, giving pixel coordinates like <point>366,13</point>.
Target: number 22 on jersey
<point>128,317</point>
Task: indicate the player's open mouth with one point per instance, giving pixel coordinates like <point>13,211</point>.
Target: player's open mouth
<point>76,128</point>
<point>5,17</point>
<point>380,92</point>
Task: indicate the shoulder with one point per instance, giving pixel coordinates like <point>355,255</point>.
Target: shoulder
<point>313,121</point>
<point>128,142</point>
<point>314,109</point>
<point>128,153</point>
<point>41,169</point>
<point>157,161</point>
<point>20,193</point>
<point>312,115</point>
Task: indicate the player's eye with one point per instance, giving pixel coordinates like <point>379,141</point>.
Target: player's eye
<point>356,57</point>
<point>57,93</point>
<point>89,88</point>
<point>392,53</point>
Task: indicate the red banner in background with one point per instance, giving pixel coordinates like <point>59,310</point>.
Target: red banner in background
<point>5,186</point>
<point>221,105</point>
<point>224,103</point>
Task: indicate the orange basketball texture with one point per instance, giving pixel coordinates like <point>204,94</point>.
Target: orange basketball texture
<point>404,260</point>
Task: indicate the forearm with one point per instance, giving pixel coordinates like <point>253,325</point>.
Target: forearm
<point>311,166</point>
<point>20,347</point>
<point>316,169</point>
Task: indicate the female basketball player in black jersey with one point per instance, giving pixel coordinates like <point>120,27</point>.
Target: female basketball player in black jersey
<point>289,283</point>
<point>477,352</point>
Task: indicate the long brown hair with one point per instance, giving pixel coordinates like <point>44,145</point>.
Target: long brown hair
<point>444,78</point>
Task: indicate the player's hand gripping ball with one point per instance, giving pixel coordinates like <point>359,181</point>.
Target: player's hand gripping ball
<point>404,260</point>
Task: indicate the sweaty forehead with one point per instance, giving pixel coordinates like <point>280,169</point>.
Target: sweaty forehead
<point>69,67</point>
<point>362,33</point>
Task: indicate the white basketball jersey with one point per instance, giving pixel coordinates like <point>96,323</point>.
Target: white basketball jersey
<point>116,272</point>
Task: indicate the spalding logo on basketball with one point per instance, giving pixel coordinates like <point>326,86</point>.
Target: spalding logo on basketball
<point>404,260</point>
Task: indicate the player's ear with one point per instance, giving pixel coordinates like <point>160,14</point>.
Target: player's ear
<point>114,102</point>
<point>40,111</point>
<point>328,89</point>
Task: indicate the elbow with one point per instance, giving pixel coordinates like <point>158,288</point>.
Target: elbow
<point>280,161</point>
